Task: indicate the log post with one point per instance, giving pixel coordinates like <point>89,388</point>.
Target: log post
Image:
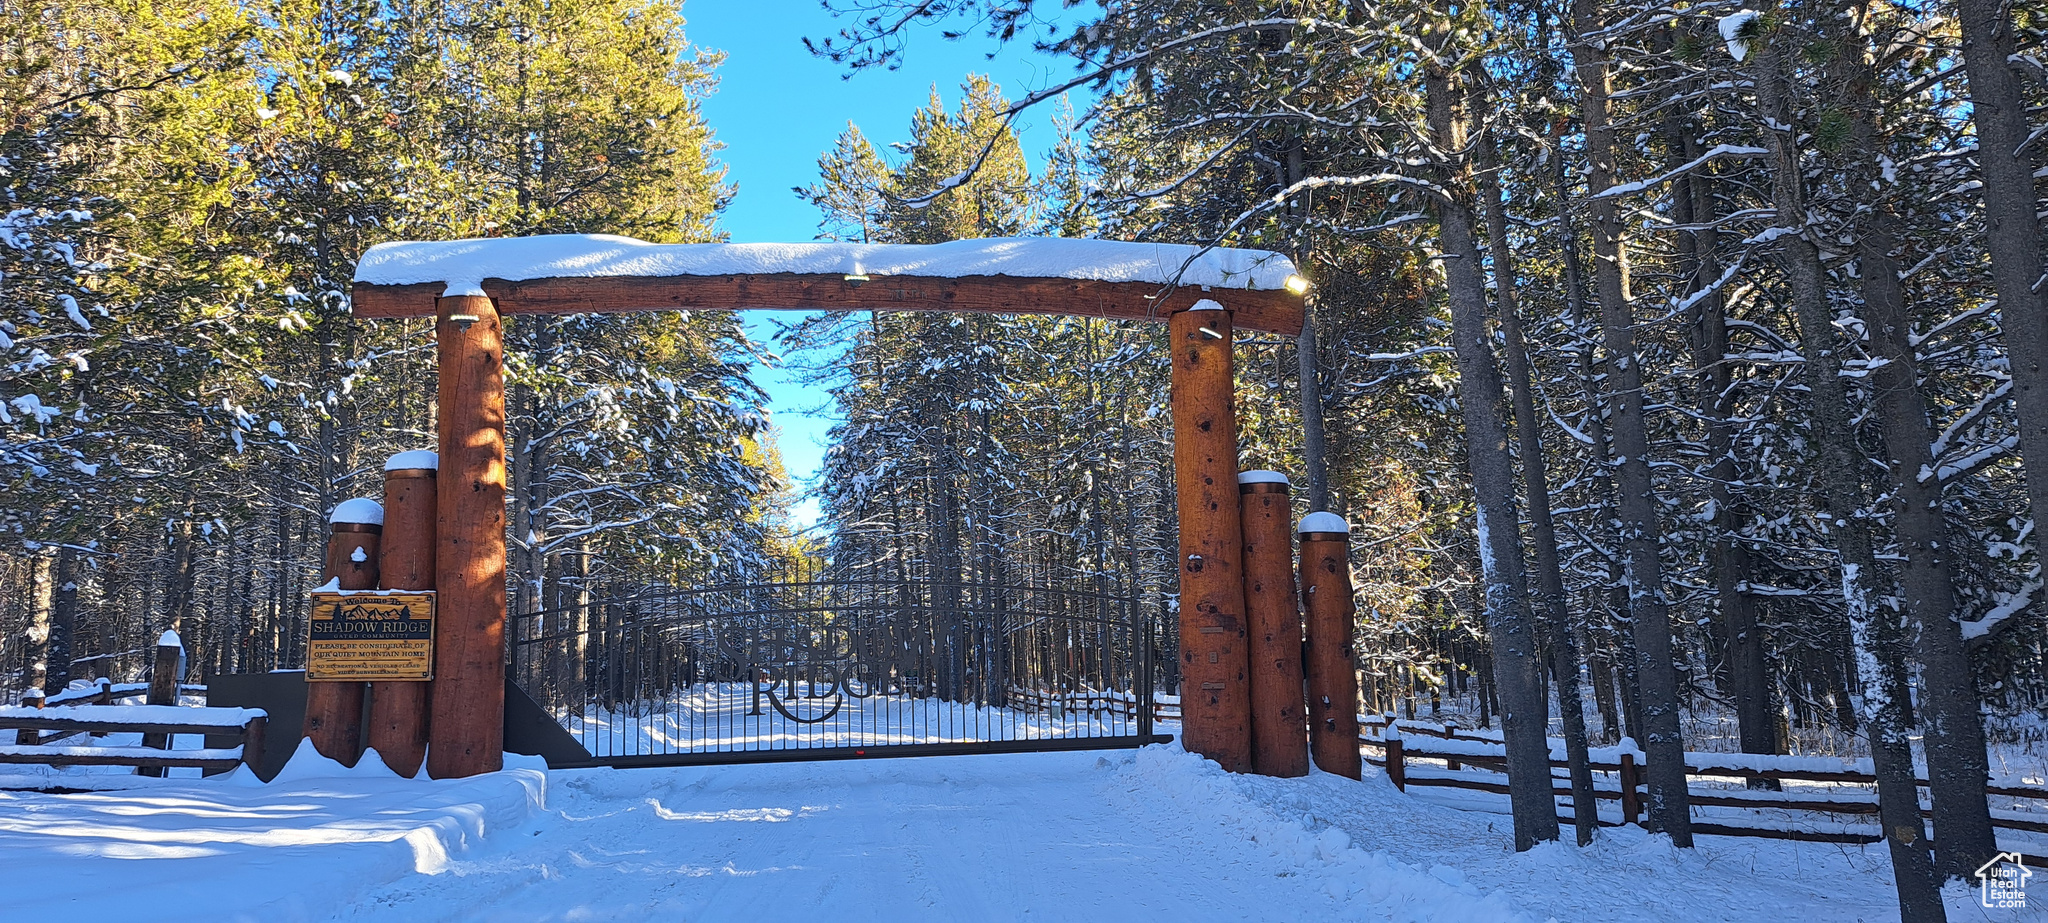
<point>164,673</point>
<point>1397,766</point>
<point>334,708</point>
<point>103,697</point>
<point>1332,677</point>
<point>467,727</point>
<point>398,710</point>
<point>1451,733</point>
<point>252,742</point>
<point>1279,723</point>
<point>32,697</point>
<point>1215,695</point>
<point>1631,800</point>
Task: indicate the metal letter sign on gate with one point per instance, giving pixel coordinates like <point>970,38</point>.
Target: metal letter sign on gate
<point>779,660</point>
<point>822,670</point>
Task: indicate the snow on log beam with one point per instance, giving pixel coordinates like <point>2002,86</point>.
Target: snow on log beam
<point>572,274</point>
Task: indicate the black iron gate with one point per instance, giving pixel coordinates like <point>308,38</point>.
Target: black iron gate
<point>838,669</point>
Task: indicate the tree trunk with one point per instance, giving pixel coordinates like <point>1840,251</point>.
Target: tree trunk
<point>1641,535</point>
<point>1957,765</point>
<point>2013,230</point>
<point>63,621</point>
<point>1874,627</point>
<point>1555,617</point>
<point>36,628</point>
<point>1600,623</point>
<point>1743,654</point>
<point>1493,486</point>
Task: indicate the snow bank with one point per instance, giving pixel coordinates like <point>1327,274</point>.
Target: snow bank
<point>1366,885</point>
<point>231,848</point>
<point>463,264</point>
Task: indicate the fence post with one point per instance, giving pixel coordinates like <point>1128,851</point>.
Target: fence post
<point>1451,733</point>
<point>1629,805</point>
<point>32,697</point>
<point>398,710</point>
<point>1397,770</point>
<point>1332,674</point>
<point>103,697</point>
<point>252,742</point>
<point>334,709</point>
<point>163,690</point>
<point>1279,723</point>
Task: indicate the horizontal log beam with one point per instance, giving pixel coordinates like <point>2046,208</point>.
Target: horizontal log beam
<point>1267,311</point>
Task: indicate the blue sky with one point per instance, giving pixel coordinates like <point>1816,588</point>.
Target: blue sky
<point>777,108</point>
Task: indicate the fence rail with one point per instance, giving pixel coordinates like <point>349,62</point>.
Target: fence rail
<point>1457,748</point>
<point>1165,707</point>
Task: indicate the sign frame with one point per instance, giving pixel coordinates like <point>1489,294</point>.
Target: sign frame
<point>365,651</point>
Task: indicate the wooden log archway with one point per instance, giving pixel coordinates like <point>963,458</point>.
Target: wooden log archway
<point>469,286</point>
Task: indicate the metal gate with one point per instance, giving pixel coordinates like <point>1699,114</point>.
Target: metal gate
<point>837,669</point>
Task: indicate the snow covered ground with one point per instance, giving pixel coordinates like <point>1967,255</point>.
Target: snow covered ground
<point>1121,835</point>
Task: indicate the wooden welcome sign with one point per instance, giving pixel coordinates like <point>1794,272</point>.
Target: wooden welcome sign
<point>371,636</point>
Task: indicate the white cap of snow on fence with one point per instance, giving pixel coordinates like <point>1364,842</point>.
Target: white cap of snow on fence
<point>359,511</point>
<point>414,459</point>
<point>1261,476</point>
<point>462,265</point>
<point>169,639</point>
<point>1324,522</point>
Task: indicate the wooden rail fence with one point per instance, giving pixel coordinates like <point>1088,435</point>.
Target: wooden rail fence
<point>1457,749</point>
<point>37,730</point>
<point>1164,707</point>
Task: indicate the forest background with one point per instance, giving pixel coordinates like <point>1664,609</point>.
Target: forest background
<point>1728,311</point>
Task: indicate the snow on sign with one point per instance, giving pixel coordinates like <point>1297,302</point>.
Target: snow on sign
<point>371,636</point>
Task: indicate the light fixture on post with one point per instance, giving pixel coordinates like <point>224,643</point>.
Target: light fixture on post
<point>1296,285</point>
<point>462,321</point>
<point>856,279</point>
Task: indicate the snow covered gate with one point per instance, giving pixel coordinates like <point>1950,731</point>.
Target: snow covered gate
<point>807,669</point>
<point>1203,293</point>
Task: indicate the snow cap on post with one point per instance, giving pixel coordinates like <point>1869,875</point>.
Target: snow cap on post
<point>1321,522</point>
<point>414,460</point>
<point>1206,305</point>
<point>170,639</point>
<point>1260,481</point>
<point>358,511</point>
